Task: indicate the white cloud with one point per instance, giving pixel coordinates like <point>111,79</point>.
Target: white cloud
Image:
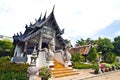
<point>117,33</point>
<point>79,17</point>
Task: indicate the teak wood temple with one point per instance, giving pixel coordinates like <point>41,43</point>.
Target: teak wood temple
<point>43,41</point>
<point>42,44</point>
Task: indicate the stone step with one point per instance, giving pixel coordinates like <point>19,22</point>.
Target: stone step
<point>61,71</point>
<point>58,65</point>
<point>65,74</point>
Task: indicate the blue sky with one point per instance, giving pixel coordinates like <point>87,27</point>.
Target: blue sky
<point>111,31</point>
<point>80,18</point>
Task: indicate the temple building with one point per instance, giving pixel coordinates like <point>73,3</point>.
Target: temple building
<point>42,40</point>
<point>83,50</point>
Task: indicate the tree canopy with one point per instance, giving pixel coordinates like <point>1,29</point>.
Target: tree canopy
<point>116,44</point>
<point>82,41</point>
<point>104,45</point>
<point>6,48</point>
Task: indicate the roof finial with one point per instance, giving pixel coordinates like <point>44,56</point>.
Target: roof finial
<point>40,17</point>
<point>14,35</point>
<point>30,23</point>
<point>53,8</point>
<point>20,33</point>
<point>35,20</point>
<point>17,34</point>
<point>26,26</point>
<point>45,13</point>
<point>44,16</point>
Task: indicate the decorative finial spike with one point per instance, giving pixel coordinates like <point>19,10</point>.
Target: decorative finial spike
<point>35,20</point>
<point>44,16</point>
<point>17,34</point>
<point>14,34</point>
<point>40,17</point>
<point>45,13</point>
<point>20,33</point>
<point>53,8</point>
<point>26,26</point>
<point>30,23</point>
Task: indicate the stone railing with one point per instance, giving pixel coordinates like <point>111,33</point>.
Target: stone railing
<point>19,59</point>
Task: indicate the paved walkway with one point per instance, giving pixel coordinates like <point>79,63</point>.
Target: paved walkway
<point>87,74</point>
<point>83,73</point>
<point>105,76</point>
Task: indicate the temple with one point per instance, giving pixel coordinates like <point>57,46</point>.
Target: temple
<point>42,44</point>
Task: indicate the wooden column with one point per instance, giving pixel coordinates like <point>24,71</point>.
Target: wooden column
<point>40,42</point>
<point>54,37</point>
<point>25,49</point>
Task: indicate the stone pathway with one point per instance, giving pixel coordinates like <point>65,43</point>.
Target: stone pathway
<point>83,73</point>
<point>87,74</point>
<point>114,75</point>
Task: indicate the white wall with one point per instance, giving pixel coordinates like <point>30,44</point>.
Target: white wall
<point>41,61</point>
<point>18,50</point>
<point>59,57</point>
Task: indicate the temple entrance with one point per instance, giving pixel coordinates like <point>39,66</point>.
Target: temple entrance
<point>44,45</point>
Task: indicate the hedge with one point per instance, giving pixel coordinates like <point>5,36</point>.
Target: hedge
<point>81,66</point>
<point>12,71</point>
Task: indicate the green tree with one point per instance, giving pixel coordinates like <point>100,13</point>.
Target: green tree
<point>6,48</point>
<point>110,57</point>
<point>104,45</point>
<point>92,56</point>
<point>82,42</point>
<point>76,57</point>
<point>117,45</point>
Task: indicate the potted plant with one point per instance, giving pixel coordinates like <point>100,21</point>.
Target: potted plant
<point>96,68</point>
<point>44,73</point>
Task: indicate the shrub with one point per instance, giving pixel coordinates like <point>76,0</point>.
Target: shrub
<point>110,57</point>
<point>107,65</point>
<point>81,66</point>
<point>45,73</point>
<point>93,55</point>
<point>76,57</point>
<point>13,75</point>
<point>95,67</point>
<point>117,65</point>
<point>11,71</point>
<point>4,59</point>
<point>6,48</point>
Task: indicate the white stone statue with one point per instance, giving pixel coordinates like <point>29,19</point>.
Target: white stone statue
<point>68,63</point>
<point>50,51</point>
<point>68,55</point>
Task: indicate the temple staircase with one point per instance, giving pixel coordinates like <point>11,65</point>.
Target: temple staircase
<point>61,71</point>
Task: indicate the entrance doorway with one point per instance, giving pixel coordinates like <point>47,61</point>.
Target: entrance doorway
<point>44,45</point>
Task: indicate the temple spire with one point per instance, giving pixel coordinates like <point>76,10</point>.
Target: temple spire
<point>26,26</point>
<point>40,17</point>
<point>30,23</point>
<point>20,33</point>
<point>44,16</point>
<point>53,8</point>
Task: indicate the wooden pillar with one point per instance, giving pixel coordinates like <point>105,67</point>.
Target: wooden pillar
<point>54,37</point>
<point>40,42</point>
<point>25,49</point>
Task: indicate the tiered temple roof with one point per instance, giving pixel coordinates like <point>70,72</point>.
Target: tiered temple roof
<point>83,50</point>
<point>35,28</point>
